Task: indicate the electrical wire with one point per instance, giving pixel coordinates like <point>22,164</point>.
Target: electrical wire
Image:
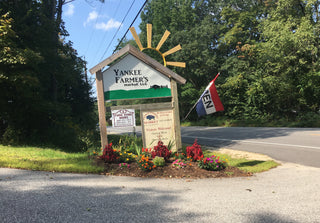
<point>130,26</point>
<point>95,23</point>
<point>104,36</point>
<point>118,28</point>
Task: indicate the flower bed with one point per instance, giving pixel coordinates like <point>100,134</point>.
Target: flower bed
<point>140,163</point>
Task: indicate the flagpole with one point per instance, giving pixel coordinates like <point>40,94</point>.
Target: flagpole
<point>190,110</point>
<point>216,77</point>
<point>198,100</point>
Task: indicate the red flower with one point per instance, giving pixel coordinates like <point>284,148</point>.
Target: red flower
<point>194,151</point>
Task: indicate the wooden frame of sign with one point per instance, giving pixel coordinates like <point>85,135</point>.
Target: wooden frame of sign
<point>106,90</point>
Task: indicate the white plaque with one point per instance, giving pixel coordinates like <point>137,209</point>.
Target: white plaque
<point>123,118</point>
<point>158,125</point>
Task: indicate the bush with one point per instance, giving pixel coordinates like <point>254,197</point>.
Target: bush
<point>147,152</point>
<point>159,161</point>
<point>308,119</point>
<point>127,143</point>
<point>194,151</point>
<point>124,165</point>
<point>177,155</point>
<point>212,163</point>
<point>179,163</point>
<point>145,164</point>
<point>161,151</point>
<point>126,157</point>
<point>108,154</point>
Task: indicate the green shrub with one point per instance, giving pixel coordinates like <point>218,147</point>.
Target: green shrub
<point>126,157</point>
<point>308,119</point>
<point>213,163</point>
<point>145,163</point>
<point>159,161</point>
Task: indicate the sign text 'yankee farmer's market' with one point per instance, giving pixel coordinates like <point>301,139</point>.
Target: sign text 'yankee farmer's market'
<point>131,78</point>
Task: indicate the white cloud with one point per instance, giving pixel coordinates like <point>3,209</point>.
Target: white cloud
<point>92,16</point>
<point>70,10</point>
<point>109,25</point>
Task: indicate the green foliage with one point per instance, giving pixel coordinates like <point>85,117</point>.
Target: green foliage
<point>128,143</point>
<point>45,98</point>
<point>159,161</point>
<point>308,119</point>
<point>267,52</point>
<point>46,159</point>
<point>145,163</point>
<point>212,163</point>
<point>179,164</point>
<point>252,166</point>
<point>126,157</point>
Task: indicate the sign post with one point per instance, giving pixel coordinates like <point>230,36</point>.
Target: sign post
<point>101,110</point>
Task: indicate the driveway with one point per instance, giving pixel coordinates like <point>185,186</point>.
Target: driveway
<point>289,193</point>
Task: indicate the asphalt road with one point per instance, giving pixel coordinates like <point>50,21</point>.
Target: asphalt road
<point>286,194</point>
<point>297,145</point>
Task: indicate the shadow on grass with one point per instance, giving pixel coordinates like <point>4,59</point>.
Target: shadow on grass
<point>249,163</point>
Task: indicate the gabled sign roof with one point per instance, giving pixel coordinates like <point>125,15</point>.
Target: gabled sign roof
<point>128,49</point>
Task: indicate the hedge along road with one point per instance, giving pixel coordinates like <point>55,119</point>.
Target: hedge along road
<point>296,145</point>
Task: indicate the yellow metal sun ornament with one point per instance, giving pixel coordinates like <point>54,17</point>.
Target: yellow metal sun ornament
<point>163,39</point>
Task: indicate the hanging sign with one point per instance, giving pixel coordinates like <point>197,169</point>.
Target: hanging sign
<point>158,125</point>
<point>130,78</point>
<point>123,118</point>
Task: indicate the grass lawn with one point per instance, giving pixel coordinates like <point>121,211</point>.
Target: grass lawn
<point>252,166</point>
<point>33,158</point>
<point>47,159</point>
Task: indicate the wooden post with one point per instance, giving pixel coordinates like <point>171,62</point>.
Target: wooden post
<point>142,129</point>
<point>176,117</point>
<point>101,109</point>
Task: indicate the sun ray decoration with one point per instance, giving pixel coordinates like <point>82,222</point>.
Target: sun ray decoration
<point>161,42</point>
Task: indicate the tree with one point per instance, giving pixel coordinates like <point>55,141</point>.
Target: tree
<point>267,52</point>
<point>45,97</point>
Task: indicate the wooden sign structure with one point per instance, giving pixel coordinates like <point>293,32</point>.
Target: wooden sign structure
<point>131,74</point>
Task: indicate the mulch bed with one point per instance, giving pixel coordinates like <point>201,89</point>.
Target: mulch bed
<point>189,172</point>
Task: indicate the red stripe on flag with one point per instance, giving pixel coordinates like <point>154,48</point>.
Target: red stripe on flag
<point>215,98</point>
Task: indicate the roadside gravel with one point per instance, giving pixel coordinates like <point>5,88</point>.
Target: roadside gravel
<point>288,193</point>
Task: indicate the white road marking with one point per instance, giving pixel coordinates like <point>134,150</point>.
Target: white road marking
<point>254,142</point>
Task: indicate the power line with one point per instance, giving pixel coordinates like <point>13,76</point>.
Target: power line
<point>130,26</point>
<point>95,23</point>
<point>118,28</point>
<point>104,36</point>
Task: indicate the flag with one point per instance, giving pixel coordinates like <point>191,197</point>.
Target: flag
<point>209,102</point>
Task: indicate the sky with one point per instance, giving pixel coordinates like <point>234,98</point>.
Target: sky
<point>95,27</point>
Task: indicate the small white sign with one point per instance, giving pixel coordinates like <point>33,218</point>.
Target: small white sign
<point>123,118</point>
